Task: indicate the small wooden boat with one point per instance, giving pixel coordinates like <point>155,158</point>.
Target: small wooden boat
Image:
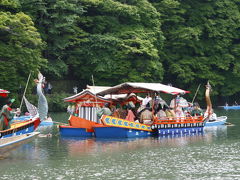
<point>12,142</point>
<point>221,120</point>
<point>211,118</point>
<point>235,107</point>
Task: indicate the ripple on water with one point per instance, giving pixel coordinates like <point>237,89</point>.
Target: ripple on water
<point>208,156</point>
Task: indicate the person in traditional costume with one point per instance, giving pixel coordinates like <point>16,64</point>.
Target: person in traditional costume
<point>6,115</point>
<point>104,111</point>
<point>197,111</point>
<point>178,104</point>
<point>146,116</point>
<point>130,115</point>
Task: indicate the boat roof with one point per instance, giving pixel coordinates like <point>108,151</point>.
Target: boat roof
<point>89,95</point>
<point>134,87</point>
<point>85,95</point>
<point>97,89</point>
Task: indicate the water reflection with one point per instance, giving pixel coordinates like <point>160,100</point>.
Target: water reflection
<point>92,146</point>
<point>60,147</point>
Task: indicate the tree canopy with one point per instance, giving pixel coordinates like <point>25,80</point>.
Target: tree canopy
<point>185,43</point>
<point>20,46</point>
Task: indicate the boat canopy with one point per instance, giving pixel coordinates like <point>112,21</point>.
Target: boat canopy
<point>127,88</point>
<point>97,89</point>
<point>3,93</point>
<point>86,96</point>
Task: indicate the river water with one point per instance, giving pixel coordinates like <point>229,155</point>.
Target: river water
<point>213,155</point>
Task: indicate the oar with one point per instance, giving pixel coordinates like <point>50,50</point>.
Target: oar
<point>94,90</point>
<point>25,90</point>
<point>60,123</point>
<point>196,93</point>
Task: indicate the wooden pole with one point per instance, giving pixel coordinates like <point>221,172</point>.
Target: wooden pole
<point>94,91</point>
<point>25,90</point>
<point>196,93</point>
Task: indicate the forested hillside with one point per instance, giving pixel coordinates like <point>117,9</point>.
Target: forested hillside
<point>184,43</point>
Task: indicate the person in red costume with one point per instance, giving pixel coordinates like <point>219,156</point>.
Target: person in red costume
<point>6,115</point>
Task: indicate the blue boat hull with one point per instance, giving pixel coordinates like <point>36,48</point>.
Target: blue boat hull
<point>231,107</point>
<point>27,127</point>
<point>69,131</point>
<point>180,131</point>
<point>118,132</point>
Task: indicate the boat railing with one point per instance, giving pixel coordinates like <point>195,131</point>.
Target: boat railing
<point>179,120</point>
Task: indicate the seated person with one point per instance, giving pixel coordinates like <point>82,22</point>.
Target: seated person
<point>170,112</point>
<point>160,112</point>
<point>146,116</point>
<point>122,112</point>
<point>197,111</point>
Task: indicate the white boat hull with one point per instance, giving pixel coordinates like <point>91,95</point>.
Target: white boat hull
<point>221,120</point>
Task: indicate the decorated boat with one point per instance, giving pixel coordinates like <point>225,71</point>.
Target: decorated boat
<point>30,124</point>
<point>83,112</point>
<point>164,126</point>
<point>12,142</point>
<point>20,128</point>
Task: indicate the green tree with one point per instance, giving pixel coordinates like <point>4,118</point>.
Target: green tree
<point>20,46</point>
<point>55,20</point>
<point>201,43</point>
<point>119,42</point>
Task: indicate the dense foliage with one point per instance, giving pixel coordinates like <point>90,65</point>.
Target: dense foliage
<point>20,46</point>
<point>184,43</point>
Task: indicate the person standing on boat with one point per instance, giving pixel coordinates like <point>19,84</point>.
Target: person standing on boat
<point>146,100</point>
<point>6,115</point>
<point>130,114</point>
<point>178,104</point>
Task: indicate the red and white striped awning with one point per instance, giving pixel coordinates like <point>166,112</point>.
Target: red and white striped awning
<point>4,93</point>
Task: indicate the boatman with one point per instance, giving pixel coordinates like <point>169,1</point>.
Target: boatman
<point>6,115</point>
